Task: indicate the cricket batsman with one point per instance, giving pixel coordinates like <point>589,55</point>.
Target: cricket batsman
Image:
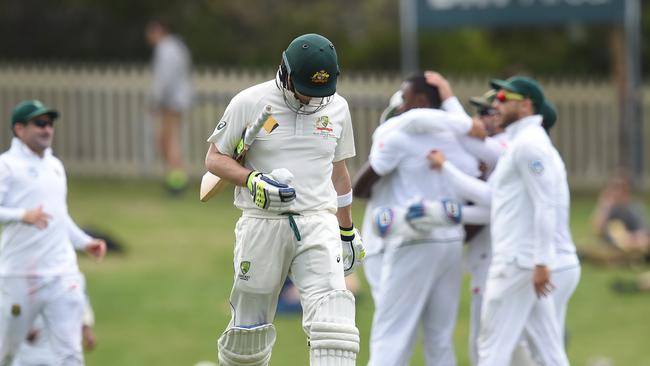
<point>295,194</point>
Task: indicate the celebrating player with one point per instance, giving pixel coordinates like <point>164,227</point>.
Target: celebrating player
<point>529,198</point>
<point>39,274</point>
<point>432,259</point>
<point>295,194</point>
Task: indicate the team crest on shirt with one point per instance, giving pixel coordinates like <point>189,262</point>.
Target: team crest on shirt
<point>244,267</point>
<point>536,167</point>
<point>324,127</point>
<point>15,310</point>
<point>33,172</point>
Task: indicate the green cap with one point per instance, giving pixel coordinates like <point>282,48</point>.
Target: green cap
<point>485,100</point>
<point>549,115</point>
<point>29,109</point>
<point>524,86</point>
<point>312,63</point>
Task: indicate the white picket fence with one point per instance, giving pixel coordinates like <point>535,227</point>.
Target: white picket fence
<point>106,130</point>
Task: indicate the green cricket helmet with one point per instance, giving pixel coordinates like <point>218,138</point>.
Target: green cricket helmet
<point>311,62</point>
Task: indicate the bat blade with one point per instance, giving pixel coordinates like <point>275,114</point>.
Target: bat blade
<point>211,185</point>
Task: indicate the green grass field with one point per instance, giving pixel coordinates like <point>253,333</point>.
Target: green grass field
<point>164,302</point>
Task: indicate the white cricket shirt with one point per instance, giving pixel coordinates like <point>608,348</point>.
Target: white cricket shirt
<point>530,199</point>
<point>28,181</point>
<point>401,158</point>
<point>306,145</point>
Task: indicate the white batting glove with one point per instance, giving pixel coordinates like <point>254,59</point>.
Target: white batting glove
<point>271,193</point>
<point>423,216</point>
<point>352,249</point>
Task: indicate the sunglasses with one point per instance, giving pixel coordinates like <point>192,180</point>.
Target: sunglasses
<point>42,122</point>
<point>503,96</point>
<point>484,112</point>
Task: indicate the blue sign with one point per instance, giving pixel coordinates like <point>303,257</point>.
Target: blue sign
<point>451,13</point>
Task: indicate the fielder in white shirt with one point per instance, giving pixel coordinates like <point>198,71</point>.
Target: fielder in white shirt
<point>295,195</point>
<point>39,274</point>
<point>529,198</point>
<point>432,260</point>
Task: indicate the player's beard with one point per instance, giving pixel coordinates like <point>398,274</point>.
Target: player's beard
<point>507,118</point>
<point>39,141</point>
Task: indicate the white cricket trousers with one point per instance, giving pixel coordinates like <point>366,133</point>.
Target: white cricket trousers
<point>478,258</point>
<point>565,281</point>
<point>372,268</point>
<point>510,305</point>
<point>266,250</point>
<point>58,299</point>
<point>420,285</point>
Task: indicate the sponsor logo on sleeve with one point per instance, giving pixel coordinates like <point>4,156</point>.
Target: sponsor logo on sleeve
<point>221,126</point>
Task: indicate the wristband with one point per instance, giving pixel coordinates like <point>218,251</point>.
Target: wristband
<point>347,234</point>
<point>345,200</point>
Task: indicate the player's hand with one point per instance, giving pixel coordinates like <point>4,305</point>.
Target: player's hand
<point>437,159</point>
<point>96,248</point>
<point>435,79</point>
<point>542,281</point>
<point>88,338</point>
<point>270,192</point>
<point>478,129</point>
<point>37,217</point>
<point>353,252</point>
<point>32,336</point>
<point>423,216</point>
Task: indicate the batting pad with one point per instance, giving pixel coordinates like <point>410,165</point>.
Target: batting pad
<point>334,339</point>
<point>246,346</point>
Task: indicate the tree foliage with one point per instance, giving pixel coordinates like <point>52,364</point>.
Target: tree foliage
<point>253,33</point>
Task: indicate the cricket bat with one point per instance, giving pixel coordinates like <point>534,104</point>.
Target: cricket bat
<point>211,185</point>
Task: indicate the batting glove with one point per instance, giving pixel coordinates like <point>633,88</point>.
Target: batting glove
<point>352,248</point>
<point>423,216</point>
<point>388,221</point>
<point>268,193</point>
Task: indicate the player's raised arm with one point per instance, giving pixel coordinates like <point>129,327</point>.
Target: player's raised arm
<point>470,188</point>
